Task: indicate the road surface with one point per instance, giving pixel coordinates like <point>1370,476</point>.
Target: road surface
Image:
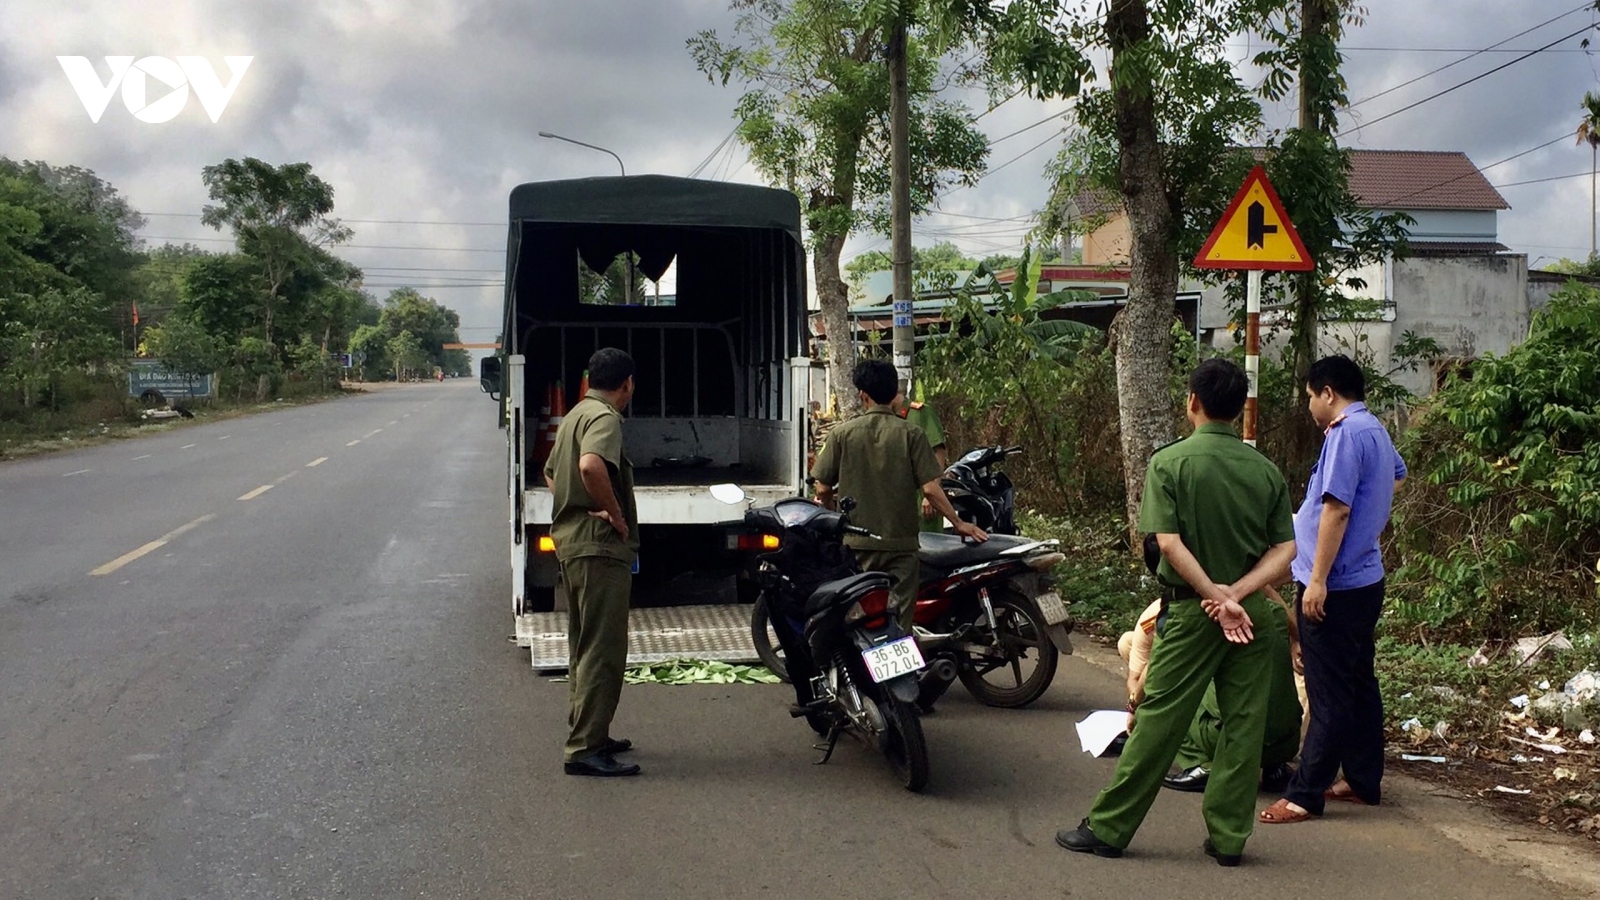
<point>268,658</point>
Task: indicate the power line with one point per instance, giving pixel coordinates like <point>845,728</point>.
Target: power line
<point>707,161</point>
<point>355,221</point>
<point>1394,201</point>
<point>1463,59</point>
<point>1467,82</point>
<point>152,237</point>
<point>1542,180</point>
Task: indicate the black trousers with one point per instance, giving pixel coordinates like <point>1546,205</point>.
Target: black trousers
<point>1346,729</point>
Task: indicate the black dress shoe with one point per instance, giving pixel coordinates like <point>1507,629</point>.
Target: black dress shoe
<point>1223,859</point>
<point>601,765</point>
<point>1082,840</point>
<point>1192,780</point>
<point>1275,779</point>
<point>613,746</point>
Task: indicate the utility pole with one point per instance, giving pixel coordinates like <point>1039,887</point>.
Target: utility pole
<point>905,341</point>
<point>1316,115</point>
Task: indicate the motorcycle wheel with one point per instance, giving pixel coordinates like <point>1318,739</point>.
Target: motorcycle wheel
<point>765,640</point>
<point>1020,634</point>
<point>903,744</point>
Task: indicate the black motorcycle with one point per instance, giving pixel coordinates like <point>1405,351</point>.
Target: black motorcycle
<point>982,494</point>
<point>853,669</point>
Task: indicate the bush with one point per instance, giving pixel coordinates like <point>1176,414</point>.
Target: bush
<point>1498,529</point>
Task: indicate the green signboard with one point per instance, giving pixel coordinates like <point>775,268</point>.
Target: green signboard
<point>151,375</point>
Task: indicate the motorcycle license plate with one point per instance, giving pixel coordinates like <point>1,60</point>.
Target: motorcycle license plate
<point>893,659</point>
<point>1051,605</point>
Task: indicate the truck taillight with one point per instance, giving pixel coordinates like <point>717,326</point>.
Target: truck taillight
<point>547,544</point>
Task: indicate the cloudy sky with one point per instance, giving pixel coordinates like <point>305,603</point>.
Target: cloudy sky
<point>423,114</point>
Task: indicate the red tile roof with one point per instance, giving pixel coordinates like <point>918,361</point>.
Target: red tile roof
<point>1420,179</point>
<point>1380,179</point>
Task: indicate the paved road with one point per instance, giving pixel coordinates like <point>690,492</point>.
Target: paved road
<point>304,690</point>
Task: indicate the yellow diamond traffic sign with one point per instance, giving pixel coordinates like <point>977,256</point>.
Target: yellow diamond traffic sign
<point>1254,232</point>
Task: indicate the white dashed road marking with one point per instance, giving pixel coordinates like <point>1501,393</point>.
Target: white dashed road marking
<point>257,492</point>
<point>316,462</point>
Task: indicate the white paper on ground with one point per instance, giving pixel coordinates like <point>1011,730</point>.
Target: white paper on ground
<point>1101,728</point>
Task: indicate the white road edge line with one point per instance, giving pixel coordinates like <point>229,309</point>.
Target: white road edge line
<point>79,472</point>
<point>257,492</point>
<point>354,442</point>
<point>316,462</point>
<point>137,458</point>
<point>224,437</point>
<point>186,446</point>
<point>129,557</point>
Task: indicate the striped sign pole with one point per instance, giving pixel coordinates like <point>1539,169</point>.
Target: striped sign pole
<point>1252,352</point>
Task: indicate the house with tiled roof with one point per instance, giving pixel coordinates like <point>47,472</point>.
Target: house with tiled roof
<point>1457,284</point>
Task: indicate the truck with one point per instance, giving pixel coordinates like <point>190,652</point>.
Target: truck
<point>722,383</point>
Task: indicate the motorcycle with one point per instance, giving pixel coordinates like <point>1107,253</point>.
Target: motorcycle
<point>853,669</point>
<point>984,611</point>
<point>980,493</point>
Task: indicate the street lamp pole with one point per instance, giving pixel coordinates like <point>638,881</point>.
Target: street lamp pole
<point>557,137</point>
<point>627,285</point>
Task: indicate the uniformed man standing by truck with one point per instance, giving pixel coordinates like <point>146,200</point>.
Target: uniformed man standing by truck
<point>1220,514</point>
<point>882,461</point>
<point>596,532</point>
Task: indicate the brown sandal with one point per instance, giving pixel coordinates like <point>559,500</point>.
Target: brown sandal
<point>1344,796</point>
<point>1280,814</point>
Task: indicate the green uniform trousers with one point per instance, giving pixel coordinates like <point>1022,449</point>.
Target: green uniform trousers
<point>1282,741</point>
<point>598,588</point>
<point>902,567</point>
<point>1190,653</point>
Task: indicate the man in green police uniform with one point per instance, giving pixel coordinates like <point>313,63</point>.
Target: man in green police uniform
<point>927,421</point>
<point>1220,512</point>
<point>596,532</point>
<point>880,460</point>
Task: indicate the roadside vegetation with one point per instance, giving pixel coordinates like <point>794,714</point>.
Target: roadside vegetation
<point>1493,553</point>
<point>81,296</point>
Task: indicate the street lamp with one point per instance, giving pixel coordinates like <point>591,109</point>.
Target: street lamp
<point>557,137</point>
<point>627,284</point>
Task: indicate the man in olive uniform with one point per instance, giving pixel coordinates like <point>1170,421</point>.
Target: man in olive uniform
<point>1220,513</point>
<point>927,421</point>
<point>881,461</point>
<point>596,533</point>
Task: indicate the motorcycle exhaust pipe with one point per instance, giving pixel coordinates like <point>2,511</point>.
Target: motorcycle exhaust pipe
<point>942,670</point>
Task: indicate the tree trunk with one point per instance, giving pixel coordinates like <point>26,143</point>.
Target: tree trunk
<point>834,296</point>
<point>1143,330</point>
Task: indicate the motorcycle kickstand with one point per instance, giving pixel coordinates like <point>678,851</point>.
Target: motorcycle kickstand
<point>833,741</point>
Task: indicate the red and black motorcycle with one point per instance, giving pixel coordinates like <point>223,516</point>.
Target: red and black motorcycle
<point>987,614</point>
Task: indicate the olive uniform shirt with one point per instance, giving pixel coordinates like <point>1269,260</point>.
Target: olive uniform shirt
<point>923,417</point>
<point>882,461</point>
<point>1226,501</point>
<point>593,426</point>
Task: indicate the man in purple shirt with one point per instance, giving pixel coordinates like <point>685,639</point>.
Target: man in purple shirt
<point>1339,572</point>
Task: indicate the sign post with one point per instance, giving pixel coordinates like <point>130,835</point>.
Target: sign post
<point>1254,234</point>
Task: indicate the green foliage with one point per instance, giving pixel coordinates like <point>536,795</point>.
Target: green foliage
<point>45,336</point>
<point>185,348</point>
<point>1499,525</point>
<point>370,345</point>
<point>408,357</point>
<point>1004,375</point>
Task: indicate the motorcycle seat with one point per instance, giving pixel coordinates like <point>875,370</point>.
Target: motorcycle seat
<point>832,593</point>
<point>950,551</point>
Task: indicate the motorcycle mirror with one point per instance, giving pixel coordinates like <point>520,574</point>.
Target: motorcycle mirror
<point>728,493</point>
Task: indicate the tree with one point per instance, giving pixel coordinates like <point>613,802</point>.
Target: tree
<point>369,347</point>
<point>222,292</point>
<point>407,355</point>
<point>279,216</point>
<point>1589,133</point>
<point>814,117</point>
<point>159,278</point>
<point>185,348</point>
<point>43,336</point>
